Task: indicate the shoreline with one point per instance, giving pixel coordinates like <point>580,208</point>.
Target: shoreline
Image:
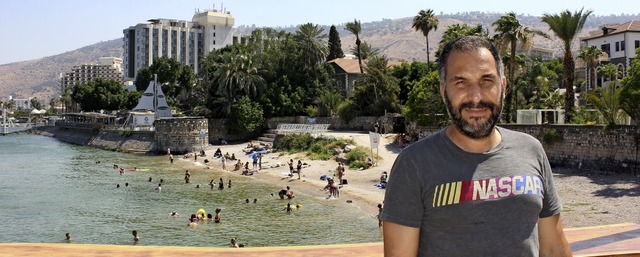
<point>360,189</point>
<point>590,198</point>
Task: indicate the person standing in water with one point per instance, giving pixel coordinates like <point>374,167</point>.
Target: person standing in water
<point>136,239</point>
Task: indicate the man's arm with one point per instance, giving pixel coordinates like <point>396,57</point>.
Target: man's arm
<point>400,240</point>
<point>551,237</point>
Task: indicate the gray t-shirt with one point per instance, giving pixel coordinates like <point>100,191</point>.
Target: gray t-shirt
<point>469,204</point>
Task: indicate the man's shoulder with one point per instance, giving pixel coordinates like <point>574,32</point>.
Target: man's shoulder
<point>518,137</point>
<point>432,142</point>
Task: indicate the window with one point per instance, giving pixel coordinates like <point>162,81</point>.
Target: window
<point>606,48</point>
<point>622,45</point>
<point>617,46</point>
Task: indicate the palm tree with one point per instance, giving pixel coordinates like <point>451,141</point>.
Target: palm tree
<point>425,22</point>
<point>591,56</point>
<point>510,32</point>
<point>366,51</point>
<point>355,28</point>
<point>312,41</point>
<point>237,73</point>
<point>566,26</point>
<point>607,101</point>
<point>457,30</point>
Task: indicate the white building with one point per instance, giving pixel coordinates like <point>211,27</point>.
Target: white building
<point>107,68</point>
<point>20,103</point>
<point>619,41</point>
<point>186,41</point>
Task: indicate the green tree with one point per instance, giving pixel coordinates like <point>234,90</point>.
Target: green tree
<point>100,94</point>
<point>607,101</point>
<point>591,57</point>
<point>348,110</point>
<point>313,44</point>
<point>408,74</point>
<point>335,45</point>
<point>245,117</point>
<point>355,28</point>
<point>237,73</point>
<point>630,95</point>
<point>566,26</point>
<point>377,91</point>
<point>35,104</point>
<point>366,51</point>
<point>425,22</point>
<point>328,102</point>
<point>425,106</point>
<point>457,30</point>
<point>510,32</point>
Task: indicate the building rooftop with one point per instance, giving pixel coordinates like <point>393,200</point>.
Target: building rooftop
<point>629,26</point>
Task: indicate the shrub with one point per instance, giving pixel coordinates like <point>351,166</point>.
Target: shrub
<point>347,110</point>
<point>245,118</point>
<point>357,165</point>
<point>358,154</point>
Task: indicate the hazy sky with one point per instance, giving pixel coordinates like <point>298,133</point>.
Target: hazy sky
<point>33,29</point>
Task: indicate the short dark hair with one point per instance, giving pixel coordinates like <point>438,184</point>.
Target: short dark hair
<point>466,44</point>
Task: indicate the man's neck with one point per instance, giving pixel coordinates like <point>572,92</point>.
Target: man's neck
<point>472,145</point>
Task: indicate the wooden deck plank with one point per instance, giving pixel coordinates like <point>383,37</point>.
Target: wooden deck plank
<point>620,240</point>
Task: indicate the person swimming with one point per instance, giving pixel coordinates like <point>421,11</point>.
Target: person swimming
<point>217,218</point>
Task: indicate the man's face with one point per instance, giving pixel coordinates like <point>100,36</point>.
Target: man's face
<point>474,92</point>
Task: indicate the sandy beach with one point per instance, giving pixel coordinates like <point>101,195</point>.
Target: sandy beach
<point>590,198</point>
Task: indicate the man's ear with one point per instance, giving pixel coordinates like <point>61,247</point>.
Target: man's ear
<point>442,92</point>
<point>504,84</point>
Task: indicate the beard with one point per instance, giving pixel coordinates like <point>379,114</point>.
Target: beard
<point>477,128</point>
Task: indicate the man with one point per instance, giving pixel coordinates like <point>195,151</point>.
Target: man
<point>473,189</point>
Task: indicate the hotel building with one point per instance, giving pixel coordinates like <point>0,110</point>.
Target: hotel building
<point>186,41</point>
<point>108,68</point>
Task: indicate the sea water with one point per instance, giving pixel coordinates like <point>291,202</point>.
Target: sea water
<point>49,188</point>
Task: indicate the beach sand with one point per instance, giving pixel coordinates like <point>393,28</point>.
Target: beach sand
<point>591,198</point>
<point>360,189</point>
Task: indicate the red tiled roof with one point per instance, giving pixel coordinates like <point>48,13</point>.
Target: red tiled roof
<point>348,65</point>
<point>629,26</point>
<point>351,66</point>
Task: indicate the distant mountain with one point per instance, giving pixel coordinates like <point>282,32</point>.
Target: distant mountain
<point>39,77</point>
<point>393,37</point>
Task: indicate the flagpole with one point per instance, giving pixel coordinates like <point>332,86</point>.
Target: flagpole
<point>155,96</point>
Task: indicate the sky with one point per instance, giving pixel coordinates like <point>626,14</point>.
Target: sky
<point>33,29</point>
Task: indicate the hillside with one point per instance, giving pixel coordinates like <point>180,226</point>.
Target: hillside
<point>393,37</point>
<point>39,78</point>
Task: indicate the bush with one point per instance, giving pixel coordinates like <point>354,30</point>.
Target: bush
<point>358,154</point>
<point>357,165</point>
<point>347,110</point>
<point>245,117</point>
<point>318,148</point>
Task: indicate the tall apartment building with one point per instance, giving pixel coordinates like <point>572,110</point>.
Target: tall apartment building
<point>186,41</point>
<point>107,68</point>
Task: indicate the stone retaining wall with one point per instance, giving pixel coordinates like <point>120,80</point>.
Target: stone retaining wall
<point>589,147</point>
<point>125,141</point>
<point>181,134</point>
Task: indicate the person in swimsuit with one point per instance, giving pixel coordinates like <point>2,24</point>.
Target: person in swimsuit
<point>216,219</point>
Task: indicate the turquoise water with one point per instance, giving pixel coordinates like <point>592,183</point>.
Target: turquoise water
<point>48,188</point>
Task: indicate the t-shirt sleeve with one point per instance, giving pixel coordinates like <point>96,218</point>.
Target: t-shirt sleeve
<point>551,204</point>
<point>403,197</point>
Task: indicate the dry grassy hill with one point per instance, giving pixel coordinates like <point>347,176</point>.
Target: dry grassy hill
<point>39,78</point>
<point>393,37</point>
